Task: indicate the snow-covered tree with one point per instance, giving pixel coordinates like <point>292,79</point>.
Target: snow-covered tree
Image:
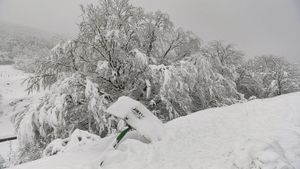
<point>5,59</point>
<point>72,102</point>
<point>275,74</point>
<point>122,50</point>
<point>190,85</point>
<point>225,58</point>
<point>248,84</point>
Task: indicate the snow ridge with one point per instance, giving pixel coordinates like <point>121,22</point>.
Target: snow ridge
<point>260,134</point>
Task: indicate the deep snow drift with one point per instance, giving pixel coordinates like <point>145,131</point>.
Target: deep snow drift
<point>260,134</point>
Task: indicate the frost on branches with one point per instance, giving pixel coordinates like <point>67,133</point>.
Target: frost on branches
<point>121,50</point>
<point>73,102</point>
<point>190,85</point>
<point>271,76</point>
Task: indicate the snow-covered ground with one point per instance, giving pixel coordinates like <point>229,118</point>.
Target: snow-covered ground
<point>260,134</point>
<point>11,88</point>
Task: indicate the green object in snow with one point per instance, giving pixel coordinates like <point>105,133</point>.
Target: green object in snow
<point>122,134</point>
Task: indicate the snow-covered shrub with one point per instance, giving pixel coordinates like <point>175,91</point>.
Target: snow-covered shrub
<point>188,86</point>
<point>252,98</point>
<point>5,59</point>
<point>27,62</point>
<point>28,152</point>
<point>248,85</point>
<point>72,103</point>
<point>76,139</point>
<point>275,75</point>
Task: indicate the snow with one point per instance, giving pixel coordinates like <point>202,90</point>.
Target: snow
<point>141,58</point>
<point>77,139</point>
<point>148,84</point>
<point>166,71</point>
<point>1,160</point>
<point>260,134</point>
<point>77,158</point>
<point>138,117</point>
<point>258,154</point>
<point>10,89</point>
<point>112,33</point>
<point>13,98</point>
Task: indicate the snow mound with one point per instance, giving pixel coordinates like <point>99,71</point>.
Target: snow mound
<point>254,154</point>
<point>260,134</point>
<point>77,139</point>
<point>139,117</point>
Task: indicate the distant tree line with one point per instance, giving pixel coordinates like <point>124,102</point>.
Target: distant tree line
<point>21,46</point>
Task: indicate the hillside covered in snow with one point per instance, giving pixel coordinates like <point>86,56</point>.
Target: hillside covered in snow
<point>11,91</point>
<point>260,134</point>
<point>21,45</point>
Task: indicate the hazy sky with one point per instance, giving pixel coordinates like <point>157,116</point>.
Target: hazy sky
<point>256,26</point>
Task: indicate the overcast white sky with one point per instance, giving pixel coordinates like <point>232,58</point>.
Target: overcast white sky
<point>256,26</point>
